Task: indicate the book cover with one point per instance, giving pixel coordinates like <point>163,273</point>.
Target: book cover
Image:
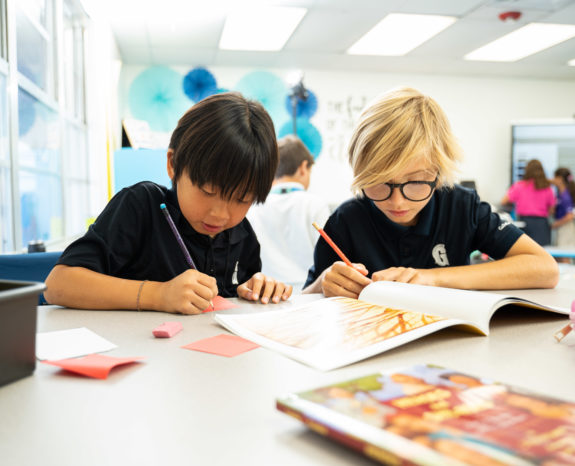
<point>333,332</point>
<point>430,415</point>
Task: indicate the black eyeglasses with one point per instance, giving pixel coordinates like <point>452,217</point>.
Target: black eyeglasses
<point>412,190</point>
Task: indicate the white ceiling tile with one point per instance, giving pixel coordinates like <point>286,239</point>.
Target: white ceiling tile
<point>190,36</point>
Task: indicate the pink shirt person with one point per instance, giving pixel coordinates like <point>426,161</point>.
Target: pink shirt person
<point>530,201</point>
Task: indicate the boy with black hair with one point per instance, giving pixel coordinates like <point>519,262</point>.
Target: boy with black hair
<point>222,158</point>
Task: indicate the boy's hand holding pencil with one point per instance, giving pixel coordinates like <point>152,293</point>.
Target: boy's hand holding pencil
<point>342,278</point>
<point>197,286</point>
<point>191,292</point>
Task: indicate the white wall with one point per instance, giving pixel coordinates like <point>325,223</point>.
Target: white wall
<point>103,66</point>
<point>480,110</point>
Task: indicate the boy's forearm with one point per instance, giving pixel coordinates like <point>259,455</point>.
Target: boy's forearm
<point>77,287</point>
<point>515,272</point>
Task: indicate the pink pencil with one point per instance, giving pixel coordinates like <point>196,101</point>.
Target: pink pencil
<point>336,249</point>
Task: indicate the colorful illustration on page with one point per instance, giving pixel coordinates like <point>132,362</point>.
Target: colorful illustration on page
<point>471,419</point>
<point>340,321</point>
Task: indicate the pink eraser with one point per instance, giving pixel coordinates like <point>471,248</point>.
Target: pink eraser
<point>167,329</point>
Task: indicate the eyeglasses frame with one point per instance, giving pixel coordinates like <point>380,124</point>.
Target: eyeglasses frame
<point>400,186</point>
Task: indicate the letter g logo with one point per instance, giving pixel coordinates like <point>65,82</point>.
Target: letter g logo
<point>439,254</point>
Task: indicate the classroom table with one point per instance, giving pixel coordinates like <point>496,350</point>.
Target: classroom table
<point>182,407</point>
<point>560,252</point>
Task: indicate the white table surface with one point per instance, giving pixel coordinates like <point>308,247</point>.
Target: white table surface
<point>182,407</point>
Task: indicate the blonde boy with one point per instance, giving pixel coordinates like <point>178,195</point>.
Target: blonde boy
<point>409,222</point>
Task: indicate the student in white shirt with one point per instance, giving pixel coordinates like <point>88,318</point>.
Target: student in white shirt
<point>283,224</point>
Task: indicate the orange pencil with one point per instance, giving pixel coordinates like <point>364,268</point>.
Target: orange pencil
<point>336,249</point>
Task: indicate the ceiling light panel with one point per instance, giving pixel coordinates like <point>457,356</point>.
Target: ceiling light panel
<point>262,28</point>
<point>523,42</point>
<point>398,33</point>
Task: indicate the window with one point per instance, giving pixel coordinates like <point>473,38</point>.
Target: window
<point>44,183</point>
<point>73,61</point>
<point>39,176</point>
<point>35,44</point>
<point>3,29</point>
<point>77,182</point>
<point>6,223</point>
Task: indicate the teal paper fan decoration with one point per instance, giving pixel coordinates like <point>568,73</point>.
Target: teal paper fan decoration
<point>307,132</point>
<point>199,83</point>
<point>267,88</point>
<point>156,96</point>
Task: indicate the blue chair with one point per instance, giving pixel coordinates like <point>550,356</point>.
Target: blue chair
<point>33,267</point>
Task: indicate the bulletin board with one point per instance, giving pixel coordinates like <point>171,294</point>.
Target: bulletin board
<point>134,165</point>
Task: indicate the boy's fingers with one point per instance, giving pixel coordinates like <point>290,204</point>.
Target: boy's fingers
<point>195,306</point>
<point>244,292</point>
<point>279,291</point>
<point>334,289</point>
<point>205,292</point>
<point>257,282</point>
<point>269,287</point>
<point>208,281</point>
<point>356,273</point>
<point>361,269</point>
<point>287,292</point>
<point>396,274</point>
<point>347,278</point>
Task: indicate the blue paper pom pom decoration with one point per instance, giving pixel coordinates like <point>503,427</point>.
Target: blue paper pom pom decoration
<point>156,96</point>
<point>267,88</point>
<point>307,132</point>
<point>305,108</point>
<point>199,83</point>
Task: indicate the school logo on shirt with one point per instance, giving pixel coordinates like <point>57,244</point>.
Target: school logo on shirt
<point>439,254</point>
<point>235,274</point>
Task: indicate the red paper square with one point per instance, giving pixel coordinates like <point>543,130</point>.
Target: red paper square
<point>223,345</point>
<point>220,303</point>
<point>93,365</point>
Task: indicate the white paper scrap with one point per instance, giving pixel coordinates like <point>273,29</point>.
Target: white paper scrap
<point>64,344</point>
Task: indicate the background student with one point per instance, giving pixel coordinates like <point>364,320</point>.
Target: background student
<point>534,201</point>
<point>409,223</point>
<point>564,224</point>
<point>283,224</point>
<point>221,159</point>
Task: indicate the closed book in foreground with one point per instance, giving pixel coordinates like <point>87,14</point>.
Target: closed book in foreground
<point>430,415</point>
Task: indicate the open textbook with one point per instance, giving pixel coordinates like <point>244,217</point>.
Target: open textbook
<point>430,415</point>
<point>333,332</point>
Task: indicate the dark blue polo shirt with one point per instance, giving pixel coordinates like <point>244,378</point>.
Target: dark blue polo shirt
<point>453,224</point>
<point>132,239</point>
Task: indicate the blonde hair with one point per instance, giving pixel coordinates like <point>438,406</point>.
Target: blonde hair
<point>399,127</point>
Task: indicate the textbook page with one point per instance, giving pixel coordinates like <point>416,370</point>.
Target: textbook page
<point>475,307</point>
<point>462,305</point>
<point>333,332</point>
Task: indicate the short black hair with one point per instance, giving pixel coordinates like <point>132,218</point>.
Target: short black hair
<point>229,142</point>
<point>292,153</point>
